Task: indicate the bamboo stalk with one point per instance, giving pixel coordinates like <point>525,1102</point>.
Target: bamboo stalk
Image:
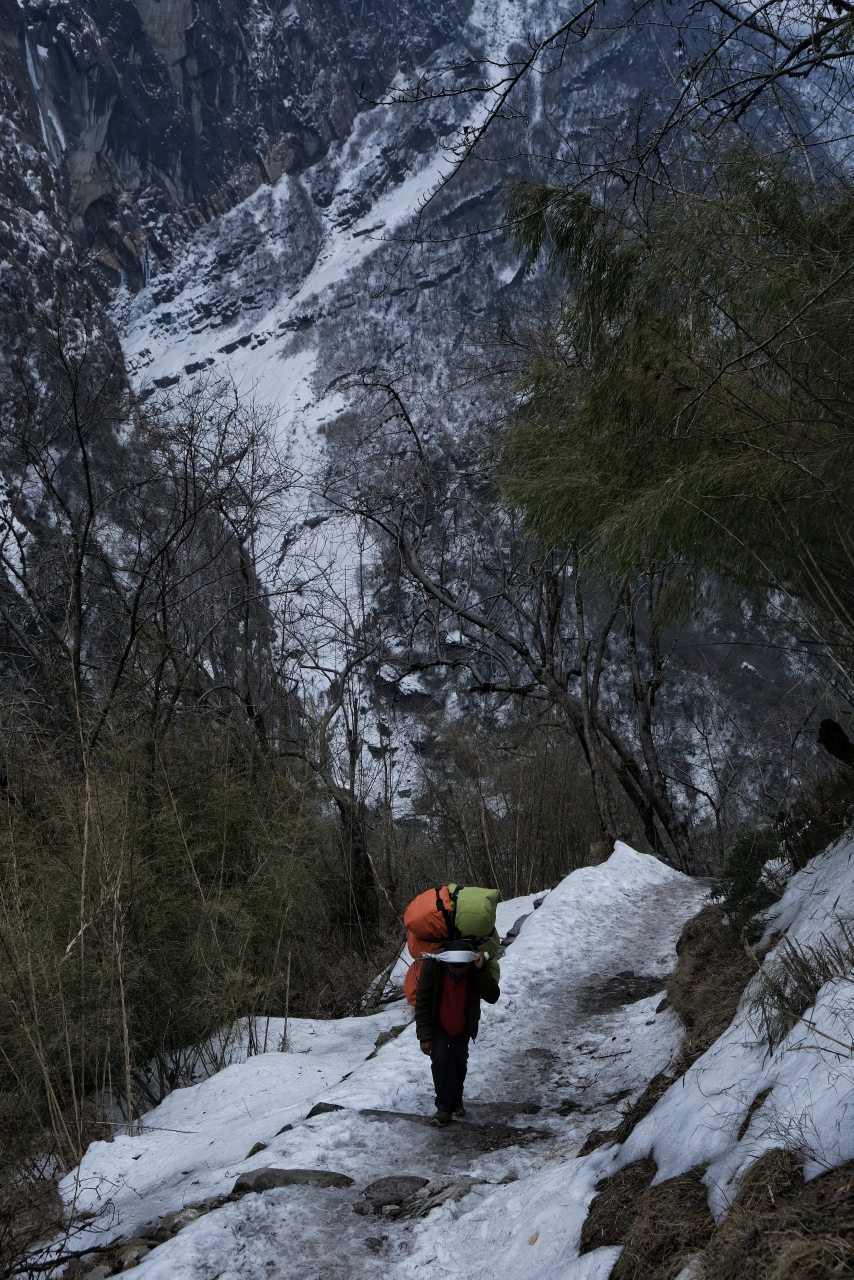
<point>283,1047</point>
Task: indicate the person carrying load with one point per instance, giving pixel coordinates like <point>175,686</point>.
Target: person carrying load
<point>454,942</point>
<point>447,1015</point>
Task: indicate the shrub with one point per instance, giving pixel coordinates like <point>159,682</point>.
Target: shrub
<point>712,970</point>
<point>138,923</point>
<point>741,891</point>
<point>821,814</point>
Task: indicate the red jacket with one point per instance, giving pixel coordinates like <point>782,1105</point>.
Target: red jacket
<point>481,986</point>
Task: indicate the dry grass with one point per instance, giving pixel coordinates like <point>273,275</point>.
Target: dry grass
<point>780,1229</point>
<point>711,973</point>
<point>793,978</point>
<point>642,1106</point>
<point>777,1228</point>
<point>660,1227</point>
<point>30,1213</point>
<point>671,1224</point>
<point>614,1207</point>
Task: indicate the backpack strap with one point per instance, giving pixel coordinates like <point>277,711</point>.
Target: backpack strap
<point>454,893</point>
<point>449,916</point>
<point>446,914</point>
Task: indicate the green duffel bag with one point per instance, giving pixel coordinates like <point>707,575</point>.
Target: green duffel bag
<point>475,910</point>
<point>490,945</point>
<point>475,918</point>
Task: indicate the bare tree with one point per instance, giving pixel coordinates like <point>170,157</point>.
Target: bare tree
<point>130,542</point>
<point>477,595</point>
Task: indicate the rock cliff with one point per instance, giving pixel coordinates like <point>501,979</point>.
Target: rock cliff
<point>129,124</point>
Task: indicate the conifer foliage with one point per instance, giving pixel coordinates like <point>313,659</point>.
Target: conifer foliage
<point>692,399</point>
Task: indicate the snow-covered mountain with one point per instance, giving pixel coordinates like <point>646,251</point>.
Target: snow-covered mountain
<point>246,205</point>
<point>162,114</point>
<point>324,274</point>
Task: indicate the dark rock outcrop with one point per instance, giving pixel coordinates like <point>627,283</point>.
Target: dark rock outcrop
<point>131,122</point>
<point>321,1109</point>
<point>385,1191</point>
<point>267,1179</point>
<point>835,740</point>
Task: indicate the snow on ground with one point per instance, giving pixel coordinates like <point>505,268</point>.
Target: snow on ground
<point>810,1074</point>
<point>567,1045</point>
<point>190,1146</point>
<point>555,1059</point>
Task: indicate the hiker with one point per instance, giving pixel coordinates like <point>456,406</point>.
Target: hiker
<point>452,983</point>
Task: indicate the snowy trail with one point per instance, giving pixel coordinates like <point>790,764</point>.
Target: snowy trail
<point>559,1055</point>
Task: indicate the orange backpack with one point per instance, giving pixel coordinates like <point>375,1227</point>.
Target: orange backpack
<point>429,921</point>
<point>410,982</point>
<point>430,916</point>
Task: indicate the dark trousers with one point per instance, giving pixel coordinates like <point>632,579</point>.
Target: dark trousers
<point>449,1059</point>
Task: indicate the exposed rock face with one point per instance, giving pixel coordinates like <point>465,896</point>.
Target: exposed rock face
<point>33,234</point>
<point>206,154</point>
<point>258,1180</point>
<point>147,119</point>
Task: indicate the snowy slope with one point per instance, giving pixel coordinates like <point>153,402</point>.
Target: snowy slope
<point>554,1060</point>
<point>315,276</point>
<point>811,1073</point>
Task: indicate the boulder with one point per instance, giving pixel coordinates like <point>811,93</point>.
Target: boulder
<point>257,1180</point>
<point>385,1037</point>
<point>185,1216</point>
<point>513,932</point>
<point>393,1190</point>
<point>133,1257</point>
<point>321,1108</point>
<point>421,1204</point>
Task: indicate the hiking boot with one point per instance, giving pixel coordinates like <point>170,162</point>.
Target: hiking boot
<point>441,1119</point>
<point>459,1110</point>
